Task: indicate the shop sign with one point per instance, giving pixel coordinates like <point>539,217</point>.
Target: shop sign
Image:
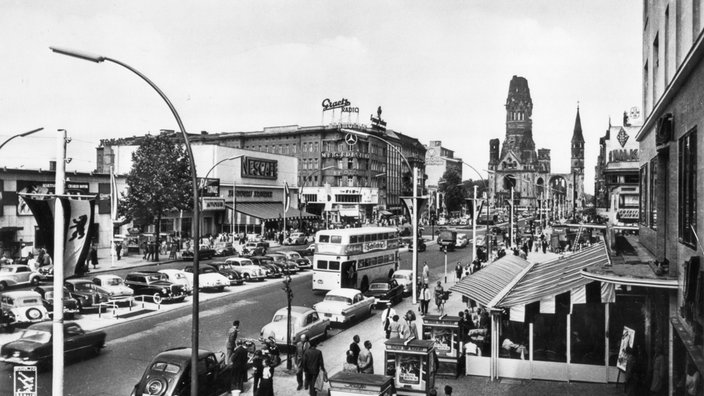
<point>213,204</point>
<point>349,109</point>
<point>344,154</point>
<point>25,381</point>
<point>330,105</point>
<point>209,187</point>
<point>623,155</point>
<point>259,168</point>
<point>372,246</point>
<point>253,194</point>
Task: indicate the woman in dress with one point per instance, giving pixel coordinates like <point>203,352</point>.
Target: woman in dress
<point>266,387</point>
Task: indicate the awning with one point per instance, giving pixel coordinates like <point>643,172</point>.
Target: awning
<point>269,211</point>
<point>10,229</point>
<point>385,213</point>
<point>483,286</point>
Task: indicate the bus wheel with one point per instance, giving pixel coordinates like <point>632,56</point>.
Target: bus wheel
<point>365,284</point>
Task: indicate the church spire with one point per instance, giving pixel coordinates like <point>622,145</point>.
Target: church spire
<point>577,134</point>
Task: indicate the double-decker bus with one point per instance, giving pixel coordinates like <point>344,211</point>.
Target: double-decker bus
<point>353,257</point>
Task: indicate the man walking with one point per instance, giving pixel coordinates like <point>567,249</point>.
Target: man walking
<point>239,367</point>
<point>426,272</point>
<point>232,334</point>
<point>366,360</point>
<point>386,318</point>
<point>424,299</point>
<point>354,347</point>
<point>312,363</point>
<point>458,271</point>
<point>301,348</point>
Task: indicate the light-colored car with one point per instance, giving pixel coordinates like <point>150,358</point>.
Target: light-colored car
<point>18,275</point>
<point>481,240</point>
<point>22,307</point>
<point>461,240</point>
<point>296,238</point>
<point>115,288</point>
<point>246,268</point>
<point>301,262</point>
<point>208,278</point>
<point>344,305</point>
<point>304,320</point>
<point>179,277</point>
<point>405,279</point>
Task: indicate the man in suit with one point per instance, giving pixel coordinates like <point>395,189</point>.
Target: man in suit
<point>312,363</point>
<point>301,347</point>
<point>239,366</point>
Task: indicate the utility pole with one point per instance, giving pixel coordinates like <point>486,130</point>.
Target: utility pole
<point>289,297</point>
<point>414,220</point>
<point>59,238</point>
<point>510,208</point>
<point>475,216</point>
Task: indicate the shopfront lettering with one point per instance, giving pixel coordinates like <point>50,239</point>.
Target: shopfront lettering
<point>329,105</point>
<point>623,155</point>
<point>343,154</point>
<point>253,194</point>
<point>258,168</point>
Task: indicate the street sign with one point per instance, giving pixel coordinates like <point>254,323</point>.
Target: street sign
<point>351,139</point>
<point>25,381</point>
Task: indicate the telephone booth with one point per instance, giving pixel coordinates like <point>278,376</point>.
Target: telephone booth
<point>411,364</point>
<point>349,384</point>
<point>444,331</point>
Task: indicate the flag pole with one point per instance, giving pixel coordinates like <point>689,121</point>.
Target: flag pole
<point>58,319</point>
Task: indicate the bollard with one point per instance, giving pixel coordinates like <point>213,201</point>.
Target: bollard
<point>100,310</point>
<point>114,310</point>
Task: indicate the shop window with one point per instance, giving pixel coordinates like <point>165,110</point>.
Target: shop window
<point>316,146</point>
<point>587,337</point>
<point>687,187</point>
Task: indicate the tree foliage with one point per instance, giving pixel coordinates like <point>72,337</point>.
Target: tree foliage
<point>454,193</point>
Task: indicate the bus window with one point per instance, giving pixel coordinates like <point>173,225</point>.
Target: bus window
<point>353,239</point>
<point>334,266</point>
<point>336,239</point>
<point>324,238</point>
<point>322,264</point>
<point>375,237</point>
<point>368,238</point>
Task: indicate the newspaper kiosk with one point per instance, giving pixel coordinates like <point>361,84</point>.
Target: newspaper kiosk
<point>350,384</point>
<point>411,364</point>
<point>444,331</point>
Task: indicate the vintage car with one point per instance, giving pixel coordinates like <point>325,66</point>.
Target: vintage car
<point>301,262</point>
<point>304,320</point>
<point>267,264</point>
<point>286,265</point>
<point>480,240</point>
<point>421,245</point>
<point>21,307</point>
<point>385,290</point>
<point>461,240</point>
<point>155,285</point>
<point>296,238</point>
<point>405,279</point>
<point>258,239</point>
<point>228,272</point>
<point>205,252</point>
<point>88,295</point>
<point>169,374</point>
<point>224,249</point>
<point>253,249</point>
<point>178,277</point>
<point>46,272</point>
<point>70,304</point>
<point>208,279</point>
<point>115,287</point>
<point>17,275</point>
<point>34,347</point>
<point>246,268</point>
<point>308,251</point>
<point>344,305</point>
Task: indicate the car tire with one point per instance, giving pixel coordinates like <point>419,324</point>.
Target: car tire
<point>34,314</point>
<point>246,277</point>
<point>157,298</point>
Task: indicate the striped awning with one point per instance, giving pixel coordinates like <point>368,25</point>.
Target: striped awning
<point>483,286</point>
<point>266,211</point>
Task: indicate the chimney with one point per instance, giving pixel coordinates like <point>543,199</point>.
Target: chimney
<point>52,166</point>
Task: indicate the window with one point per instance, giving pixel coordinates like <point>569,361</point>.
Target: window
<point>350,163</point>
<point>687,187</point>
<point>350,181</point>
<point>316,146</point>
<point>643,195</point>
<point>653,195</point>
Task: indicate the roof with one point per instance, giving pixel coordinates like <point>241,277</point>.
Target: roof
<point>357,231</point>
<point>21,293</point>
<point>345,292</point>
<point>296,309</point>
<point>180,354</point>
<point>486,284</point>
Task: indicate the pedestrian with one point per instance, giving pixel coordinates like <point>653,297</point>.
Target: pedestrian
<point>118,250</point>
<point>301,348</point>
<point>312,366</point>
<point>545,246</point>
<point>462,327</point>
<point>439,295</point>
<point>424,299</point>
<point>632,375</point>
<point>145,249</point>
<point>477,265</point>
<point>448,390</point>
<point>386,318</point>
<point>350,365</point>
<point>365,362</point>
<point>267,383</point>
<point>657,384</point>
<point>45,259</point>
<point>257,369</point>
<point>232,334</point>
<point>93,254</point>
<point>239,367</point>
<point>426,272</point>
<point>458,271</point>
<point>411,328</point>
<point>354,347</point>
<point>396,328</point>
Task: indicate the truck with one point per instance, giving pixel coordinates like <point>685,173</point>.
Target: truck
<point>447,239</point>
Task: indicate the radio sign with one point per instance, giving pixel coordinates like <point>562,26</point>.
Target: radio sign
<point>259,168</point>
<point>330,105</point>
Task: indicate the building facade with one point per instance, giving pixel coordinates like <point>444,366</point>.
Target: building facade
<point>439,160</point>
<point>515,164</point>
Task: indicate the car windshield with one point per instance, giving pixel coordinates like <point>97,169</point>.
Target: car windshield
<point>400,276</point>
<point>158,277</point>
<point>278,259</point>
<point>38,336</point>
<point>246,262</point>
<point>224,266</point>
<point>338,299</point>
<point>113,282</point>
<point>166,367</point>
<point>294,255</point>
<point>83,286</point>
<point>48,295</point>
<point>379,286</point>
<point>279,318</point>
<point>6,269</point>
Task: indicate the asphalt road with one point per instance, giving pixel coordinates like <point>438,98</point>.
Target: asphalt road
<point>130,346</point>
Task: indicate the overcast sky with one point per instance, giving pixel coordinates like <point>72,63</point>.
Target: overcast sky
<point>439,69</point>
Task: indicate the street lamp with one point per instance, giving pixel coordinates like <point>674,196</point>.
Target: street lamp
<point>196,209</point>
<point>20,135</point>
<point>202,186</point>
<point>476,217</point>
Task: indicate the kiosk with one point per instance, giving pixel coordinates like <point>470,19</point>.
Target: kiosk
<point>350,384</point>
<point>444,331</point>
<point>411,363</point>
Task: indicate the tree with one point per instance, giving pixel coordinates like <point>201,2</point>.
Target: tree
<point>454,193</point>
<point>159,182</point>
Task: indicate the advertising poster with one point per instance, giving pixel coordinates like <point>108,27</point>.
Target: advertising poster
<point>626,341</point>
<point>408,370</point>
<point>444,341</point>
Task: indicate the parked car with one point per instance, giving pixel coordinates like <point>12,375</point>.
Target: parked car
<point>69,303</point>
<point>115,287</point>
<point>17,275</point>
<point>304,320</point>
<point>301,262</point>
<point>461,240</point>
<point>384,290</point>
<point>205,252</point>
<point>405,279</point>
<point>296,238</point>
<point>169,374</point>
<point>308,251</point>
<point>253,249</point>
<point>282,262</point>
<point>246,268</point>
<point>34,347</point>
<point>178,277</point>
<point>344,305</point>
<point>21,307</point>
<point>209,278</point>
<point>46,272</point>
<point>156,285</point>
<point>266,263</point>
<point>228,272</point>
<point>88,295</point>
<point>259,239</point>
<point>480,240</point>
<point>224,249</point>
<point>421,245</point>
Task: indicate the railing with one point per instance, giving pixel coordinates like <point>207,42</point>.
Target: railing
<point>114,305</point>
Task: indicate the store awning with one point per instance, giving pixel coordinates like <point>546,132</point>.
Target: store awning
<point>483,286</point>
<point>10,229</point>
<point>269,211</point>
<point>385,213</point>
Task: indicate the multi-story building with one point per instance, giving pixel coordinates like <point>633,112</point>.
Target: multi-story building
<point>439,160</point>
<point>670,217</point>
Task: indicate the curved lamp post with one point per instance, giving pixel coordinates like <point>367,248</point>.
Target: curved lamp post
<point>196,210</point>
<point>476,215</point>
<point>20,135</point>
<point>202,186</point>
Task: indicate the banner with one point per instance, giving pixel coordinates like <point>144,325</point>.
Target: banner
<point>287,198</point>
<point>78,217</point>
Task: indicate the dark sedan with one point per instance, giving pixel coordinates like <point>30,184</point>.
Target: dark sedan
<point>267,264</point>
<point>385,290</point>
<point>156,285</point>
<point>34,347</point>
<point>86,293</point>
<point>70,304</point>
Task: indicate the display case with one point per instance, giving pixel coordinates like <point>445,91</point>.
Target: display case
<point>348,384</point>
<point>411,363</point>
<point>444,332</point>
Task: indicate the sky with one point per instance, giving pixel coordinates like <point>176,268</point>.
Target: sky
<point>440,70</point>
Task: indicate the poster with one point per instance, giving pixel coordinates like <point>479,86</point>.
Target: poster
<point>408,370</point>
<point>444,341</point>
<point>626,341</point>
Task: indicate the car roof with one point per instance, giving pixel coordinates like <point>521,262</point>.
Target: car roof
<point>103,276</point>
<point>14,265</point>
<point>403,272</point>
<point>380,280</point>
<point>344,292</point>
<point>277,254</point>
<point>49,326</point>
<point>237,259</point>
<point>297,309</point>
<point>21,294</point>
<point>181,354</point>
<point>78,280</point>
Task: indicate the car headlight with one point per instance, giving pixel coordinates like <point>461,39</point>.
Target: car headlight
<point>231,277</point>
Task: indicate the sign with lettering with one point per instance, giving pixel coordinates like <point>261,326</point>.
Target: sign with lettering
<point>374,245</point>
<point>45,187</point>
<point>209,187</point>
<point>329,105</point>
<point>210,203</point>
<point>253,194</point>
<point>25,381</point>
<point>343,154</point>
<point>259,168</point>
